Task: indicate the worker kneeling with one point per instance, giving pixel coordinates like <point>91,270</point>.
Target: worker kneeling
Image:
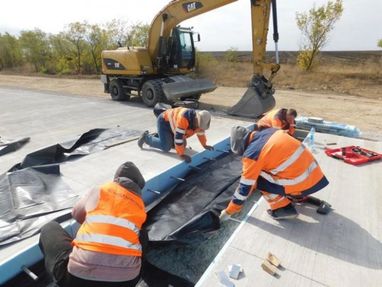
<point>174,127</point>
<point>279,118</point>
<point>276,164</point>
<point>107,249</point>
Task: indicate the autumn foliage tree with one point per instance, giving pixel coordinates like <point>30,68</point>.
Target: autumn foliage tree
<point>75,50</point>
<point>315,26</point>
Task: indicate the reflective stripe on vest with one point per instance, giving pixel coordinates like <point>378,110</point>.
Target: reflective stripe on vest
<point>238,196</point>
<point>108,219</point>
<point>171,121</point>
<point>291,160</point>
<point>181,131</point>
<point>294,181</point>
<point>246,181</point>
<point>107,239</point>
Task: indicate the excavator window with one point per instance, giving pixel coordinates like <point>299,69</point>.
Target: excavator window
<point>185,42</point>
<point>184,50</point>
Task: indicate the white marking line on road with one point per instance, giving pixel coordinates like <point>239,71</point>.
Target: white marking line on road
<point>229,241</point>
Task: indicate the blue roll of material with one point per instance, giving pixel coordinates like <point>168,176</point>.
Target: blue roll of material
<point>320,125</point>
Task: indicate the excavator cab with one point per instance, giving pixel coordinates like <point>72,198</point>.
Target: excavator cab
<point>177,53</point>
<point>182,50</point>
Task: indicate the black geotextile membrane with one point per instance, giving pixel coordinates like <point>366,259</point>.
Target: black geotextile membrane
<point>32,193</point>
<point>12,145</point>
<point>29,198</point>
<point>192,208</point>
<point>92,141</point>
<point>151,277</point>
<point>194,205</point>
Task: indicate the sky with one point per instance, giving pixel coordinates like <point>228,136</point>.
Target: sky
<point>221,29</point>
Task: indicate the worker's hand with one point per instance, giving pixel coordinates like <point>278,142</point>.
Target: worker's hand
<point>186,158</point>
<point>224,216</point>
<point>209,147</point>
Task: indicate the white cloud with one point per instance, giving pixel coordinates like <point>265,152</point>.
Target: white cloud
<point>221,29</point>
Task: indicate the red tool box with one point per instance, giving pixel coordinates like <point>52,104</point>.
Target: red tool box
<point>353,154</point>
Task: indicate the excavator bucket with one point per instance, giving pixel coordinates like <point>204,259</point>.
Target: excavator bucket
<point>257,100</point>
<point>184,87</point>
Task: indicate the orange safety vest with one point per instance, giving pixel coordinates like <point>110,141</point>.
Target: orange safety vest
<point>182,125</point>
<point>277,163</point>
<point>113,226</point>
<point>276,119</point>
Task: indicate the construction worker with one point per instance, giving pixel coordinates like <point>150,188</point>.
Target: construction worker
<point>276,164</point>
<point>174,127</point>
<point>279,118</point>
<point>107,249</point>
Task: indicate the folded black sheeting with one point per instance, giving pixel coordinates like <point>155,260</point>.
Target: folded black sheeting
<point>12,145</point>
<point>92,141</point>
<point>194,206</point>
<point>29,198</point>
<point>32,193</point>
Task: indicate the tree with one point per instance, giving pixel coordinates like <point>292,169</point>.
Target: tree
<point>380,43</point>
<point>62,61</point>
<point>75,34</point>
<point>10,52</point>
<point>118,31</point>
<point>97,39</point>
<point>231,55</point>
<point>315,26</point>
<point>138,35</point>
<point>35,48</point>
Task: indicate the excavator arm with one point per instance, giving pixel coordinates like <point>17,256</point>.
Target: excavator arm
<point>259,97</point>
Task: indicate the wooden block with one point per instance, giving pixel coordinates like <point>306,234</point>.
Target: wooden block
<point>273,260</point>
<point>269,268</point>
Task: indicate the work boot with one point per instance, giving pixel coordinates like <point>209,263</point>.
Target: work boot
<point>286,212</point>
<point>142,139</point>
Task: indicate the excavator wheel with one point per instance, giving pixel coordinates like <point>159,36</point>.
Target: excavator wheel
<point>152,92</point>
<point>117,91</point>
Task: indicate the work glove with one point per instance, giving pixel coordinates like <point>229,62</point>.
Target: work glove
<point>186,158</point>
<point>224,216</point>
<point>208,147</point>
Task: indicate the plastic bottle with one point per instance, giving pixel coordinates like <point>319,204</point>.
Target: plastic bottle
<point>309,140</point>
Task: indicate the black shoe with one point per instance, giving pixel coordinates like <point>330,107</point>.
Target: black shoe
<point>286,212</point>
<point>142,139</point>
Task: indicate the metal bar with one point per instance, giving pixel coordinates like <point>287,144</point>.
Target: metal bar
<point>153,191</point>
<point>178,178</point>
<point>194,167</point>
<point>32,275</point>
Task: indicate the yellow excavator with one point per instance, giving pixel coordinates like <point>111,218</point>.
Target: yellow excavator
<point>158,72</point>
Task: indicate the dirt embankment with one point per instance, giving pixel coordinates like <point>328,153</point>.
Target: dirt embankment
<point>362,112</point>
<point>353,73</point>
